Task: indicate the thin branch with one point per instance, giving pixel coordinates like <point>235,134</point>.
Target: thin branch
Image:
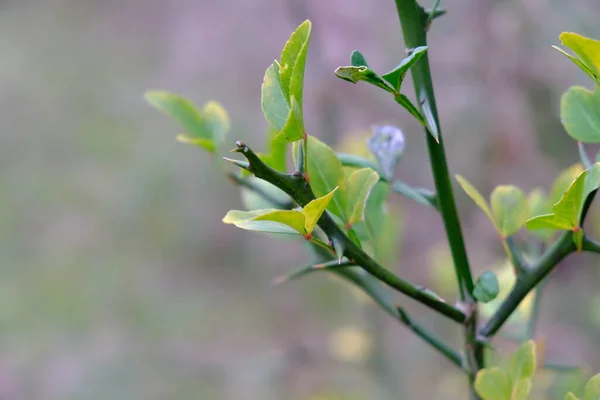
<point>435,342</point>
<point>516,257</point>
<point>591,245</point>
<point>299,190</point>
<point>539,270</point>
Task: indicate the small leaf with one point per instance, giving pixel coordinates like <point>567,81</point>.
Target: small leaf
<point>358,187</point>
<point>326,173</point>
<point>293,130</point>
<point>521,389</point>
<point>387,144</point>
<point>493,384</point>
<point>510,209</point>
<point>396,76</point>
<point>580,114</point>
<point>293,61</point>
<point>416,194</point>
<point>588,51</point>
<point>375,208</point>
<point>356,74</point>
<point>274,101</point>
<point>205,128</point>
<point>522,363</point>
<point>565,213</point>
<point>476,197</point>
<point>292,218</point>
<point>592,388</point>
<point>358,60</point>
<point>563,181</point>
<point>245,220</point>
<point>571,396</point>
<point>313,210</point>
<point>410,107</point>
<point>486,287</point>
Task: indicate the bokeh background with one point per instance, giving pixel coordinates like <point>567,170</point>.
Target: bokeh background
<point>118,279</point>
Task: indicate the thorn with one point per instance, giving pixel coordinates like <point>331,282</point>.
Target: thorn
<point>308,236</point>
<point>241,164</point>
<point>279,280</point>
<point>318,266</point>
<point>409,51</point>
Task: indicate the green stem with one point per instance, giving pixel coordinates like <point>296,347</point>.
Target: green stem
<point>299,190</point>
<point>591,245</point>
<point>413,20</point>
<point>542,267</point>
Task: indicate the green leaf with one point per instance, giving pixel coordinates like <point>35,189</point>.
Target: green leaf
<point>510,209</point>
<point>246,220</point>
<point>565,213</point>
<point>293,130</point>
<point>396,76</point>
<point>375,208</point>
<point>326,173</point>
<point>580,114</point>
<point>313,210</point>
<point>592,388</point>
<point>356,74</point>
<point>432,126</point>
<point>578,62</point>
<point>521,389</point>
<point>588,51</point>
<point>416,194</point>
<point>476,197</point>
<point>292,218</point>
<point>563,181</point>
<point>358,60</point>
<point>358,187</point>
<point>410,107</point>
<point>571,396</point>
<point>277,151</point>
<point>486,287</point>
<point>522,363</point>
<point>205,128</point>
<point>538,204</point>
<point>493,384</point>
<point>592,181</point>
<point>293,61</point>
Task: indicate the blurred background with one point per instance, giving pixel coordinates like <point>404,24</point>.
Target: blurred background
<point>118,279</point>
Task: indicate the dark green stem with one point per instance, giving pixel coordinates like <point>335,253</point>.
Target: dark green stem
<point>539,270</point>
<point>413,20</point>
<point>591,245</point>
<point>299,190</point>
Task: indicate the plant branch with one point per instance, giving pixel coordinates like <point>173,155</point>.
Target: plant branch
<point>515,255</point>
<point>413,20</point>
<point>591,245</point>
<point>299,190</point>
<point>539,270</point>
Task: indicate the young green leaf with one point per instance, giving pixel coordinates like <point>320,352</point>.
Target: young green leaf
<point>410,107</point>
<point>396,76</point>
<point>563,181</point>
<point>326,173</point>
<point>493,384</point>
<point>521,389</point>
<point>205,128</point>
<point>375,208</point>
<point>356,74</point>
<point>510,209</point>
<point>522,363</point>
<point>565,213</point>
<point>486,287</point>
<point>293,130</point>
<point>293,61</point>
<point>358,60</point>
<point>592,388</point>
<point>358,187</point>
<point>292,218</point>
<point>246,220</point>
<point>477,198</point>
<point>580,114</point>
<point>313,210</point>
<point>587,51</point>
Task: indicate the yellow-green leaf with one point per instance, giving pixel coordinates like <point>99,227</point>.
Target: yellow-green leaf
<point>294,52</point>
<point>510,209</point>
<point>592,388</point>
<point>562,182</point>
<point>205,128</point>
<point>580,114</point>
<point>358,187</point>
<point>313,210</point>
<point>493,384</point>
<point>297,78</point>
<point>521,389</point>
<point>292,218</point>
<point>588,51</point>
<point>246,220</point>
<point>477,198</point>
<point>396,76</point>
<point>538,204</point>
<point>326,173</point>
<point>522,362</point>
<point>571,396</point>
<point>548,221</point>
<point>293,129</point>
<point>274,101</point>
